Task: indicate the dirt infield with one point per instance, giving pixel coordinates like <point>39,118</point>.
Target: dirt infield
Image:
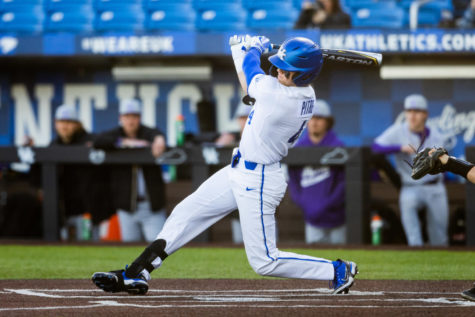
<point>188,297</point>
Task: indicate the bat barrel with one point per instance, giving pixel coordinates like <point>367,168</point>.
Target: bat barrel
<point>353,57</point>
<point>349,56</point>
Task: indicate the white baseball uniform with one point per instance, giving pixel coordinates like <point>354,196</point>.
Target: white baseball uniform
<point>255,185</point>
<point>428,192</point>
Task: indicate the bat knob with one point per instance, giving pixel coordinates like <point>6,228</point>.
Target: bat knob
<point>248,100</point>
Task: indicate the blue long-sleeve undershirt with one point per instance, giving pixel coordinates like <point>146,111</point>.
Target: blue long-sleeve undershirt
<point>251,65</point>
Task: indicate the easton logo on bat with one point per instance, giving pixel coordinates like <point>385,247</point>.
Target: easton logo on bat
<point>349,60</point>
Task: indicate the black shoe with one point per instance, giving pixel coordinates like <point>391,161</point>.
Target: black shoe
<point>116,281</point>
<point>469,294</point>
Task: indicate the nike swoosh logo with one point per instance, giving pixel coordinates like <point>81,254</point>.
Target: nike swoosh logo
<point>248,189</point>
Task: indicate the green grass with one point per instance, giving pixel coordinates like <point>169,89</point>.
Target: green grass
<point>79,262</point>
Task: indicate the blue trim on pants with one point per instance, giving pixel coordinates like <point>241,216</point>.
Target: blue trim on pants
<point>262,215</point>
<point>310,260</point>
<point>264,230</point>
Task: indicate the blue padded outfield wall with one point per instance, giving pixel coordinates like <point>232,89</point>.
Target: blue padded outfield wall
<point>363,104</point>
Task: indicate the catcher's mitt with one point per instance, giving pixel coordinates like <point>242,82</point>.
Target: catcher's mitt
<point>424,163</point>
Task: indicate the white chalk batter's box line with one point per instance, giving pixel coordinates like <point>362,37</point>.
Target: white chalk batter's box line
<point>313,291</point>
<point>246,298</point>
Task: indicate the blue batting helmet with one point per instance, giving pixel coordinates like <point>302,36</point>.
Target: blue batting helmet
<point>299,55</point>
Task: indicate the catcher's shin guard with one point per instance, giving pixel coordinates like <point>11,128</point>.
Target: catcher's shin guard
<point>144,261</point>
<point>469,294</point>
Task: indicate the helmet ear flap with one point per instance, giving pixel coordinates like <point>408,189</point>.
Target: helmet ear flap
<point>296,75</point>
<point>273,71</point>
<point>303,79</point>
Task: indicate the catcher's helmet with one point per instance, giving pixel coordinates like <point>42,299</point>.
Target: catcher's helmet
<point>300,55</point>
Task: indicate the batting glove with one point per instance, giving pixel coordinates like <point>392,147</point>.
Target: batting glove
<point>242,42</point>
<point>239,46</point>
<point>261,43</point>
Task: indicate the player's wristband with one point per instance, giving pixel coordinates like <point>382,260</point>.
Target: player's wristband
<point>457,166</point>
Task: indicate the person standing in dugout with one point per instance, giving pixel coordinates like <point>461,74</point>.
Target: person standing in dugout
<point>403,140</point>
<point>75,180</point>
<point>254,182</point>
<point>138,192</point>
<point>325,221</point>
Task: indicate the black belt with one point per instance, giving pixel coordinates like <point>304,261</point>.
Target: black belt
<point>432,182</point>
<point>248,164</point>
<point>141,198</point>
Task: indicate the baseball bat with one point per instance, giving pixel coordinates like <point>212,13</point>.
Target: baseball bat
<point>349,56</point>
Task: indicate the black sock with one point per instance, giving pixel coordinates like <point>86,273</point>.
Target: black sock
<point>144,261</point>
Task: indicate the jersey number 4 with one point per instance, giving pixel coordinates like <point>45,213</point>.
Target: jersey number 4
<point>250,117</point>
<point>295,137</point>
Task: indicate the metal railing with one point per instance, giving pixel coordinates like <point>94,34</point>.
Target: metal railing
<point>355,161</point>
<point>414,12</point>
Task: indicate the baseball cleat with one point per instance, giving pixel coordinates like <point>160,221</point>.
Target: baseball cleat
<point>469,294</point>
<point>344,276</point>
<point>117,281</point>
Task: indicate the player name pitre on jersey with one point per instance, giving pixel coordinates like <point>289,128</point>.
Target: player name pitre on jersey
<point>307,107</point>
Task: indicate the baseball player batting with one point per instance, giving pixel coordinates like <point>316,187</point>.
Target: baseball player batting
<point>254,182</point>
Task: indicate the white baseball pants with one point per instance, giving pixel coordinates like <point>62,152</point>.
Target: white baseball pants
<point>315,234</point>
<point>434,199</point>
<point>256,193</point>
<point>144,223</point>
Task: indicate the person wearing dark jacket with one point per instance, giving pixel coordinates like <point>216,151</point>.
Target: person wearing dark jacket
<point>74,180</point>
<point>138,192</point>
<point>320,191</point>
<point>325,14</point>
